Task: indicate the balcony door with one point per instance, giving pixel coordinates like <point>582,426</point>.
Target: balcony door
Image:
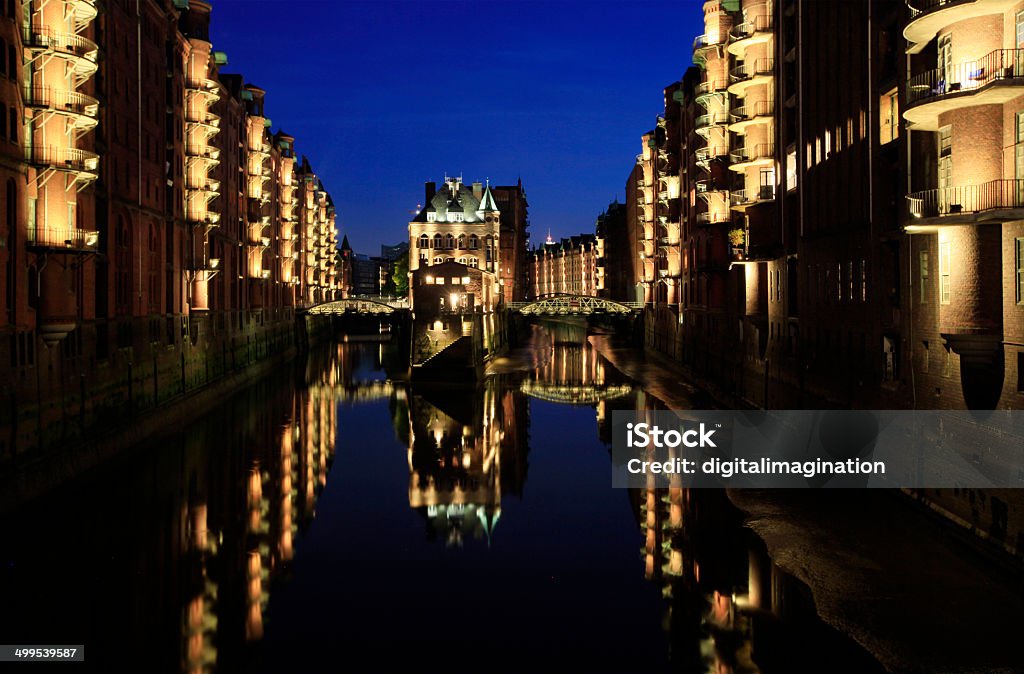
<point>1018,160</point>
<point>946,192</point>
<point>945,63</point>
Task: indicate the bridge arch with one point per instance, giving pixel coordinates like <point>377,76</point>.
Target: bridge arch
<point>564,304</point>
<point>358,305</point>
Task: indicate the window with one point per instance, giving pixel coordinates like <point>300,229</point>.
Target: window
<point>432,217</point>
<point>791,170</point>
<point>462,242</point>
<point>1020,371</point>
<point>1020,270</point>
<point>863,280</point>
<point>12,63</point>
<point>438,241</point>
<point>923,268</point>
<point>925,357</point>
<point>474,242</point>
<point>449,242</point>
<point>456,280</point>
<point>12,120</point>
<point>438,260</point>
<point>889,116</point>
<point>945,61</point>
<point>423,241</point>
<point>945,164</point>
<point>474,262</point>
<point>944,293</point>
<point>1020,29</point>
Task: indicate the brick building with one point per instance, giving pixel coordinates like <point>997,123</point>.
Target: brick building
<point>151,216</point>
<point>765,205</point>
<point>570,266</point>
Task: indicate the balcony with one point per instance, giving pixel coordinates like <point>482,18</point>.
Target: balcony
<point>702,45</point>
<point>705,155</point>
<point>62,239</point>
<point>203,151</point>
<point>994,201</point>
<point>761,112</point>
<point>81,110</point>
<point>928,17</point>
<point>207,121</point>
<point>83,163</point>
<point>762,154</point>
<point>705,123</point>
<point>757,31</point>
<point>740,200</point>
<point>749,75</point>
<point>709,219</point>
<point>80,52</point>
<point>708,90</point>
<point>708,186</point>
<point>995,78</point>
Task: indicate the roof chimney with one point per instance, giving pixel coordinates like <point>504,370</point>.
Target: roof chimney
<point>431,190</point>
<point>478,190</point>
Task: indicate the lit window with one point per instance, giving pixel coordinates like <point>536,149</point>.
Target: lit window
<point>923,265</point>
<point>1020,270</point>
<point>456,280</point>
<point>791,171</point>
<point>889,117</point>
<point>431,217</point>
<point>944,292</point>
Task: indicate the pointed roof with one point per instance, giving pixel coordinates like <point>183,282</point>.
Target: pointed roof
<point>487,203</point>
<point>344,243</point>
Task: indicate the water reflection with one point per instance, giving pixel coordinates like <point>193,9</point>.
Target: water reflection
<point>194,544</point>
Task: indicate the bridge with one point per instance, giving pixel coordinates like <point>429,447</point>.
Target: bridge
<point>573,305</point>
<point>362,305</point>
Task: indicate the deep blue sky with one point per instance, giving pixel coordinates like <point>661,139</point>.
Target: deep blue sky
<point>385,95</point>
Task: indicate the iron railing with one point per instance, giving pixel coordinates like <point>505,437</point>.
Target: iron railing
<point>44,37</point>
<point>62,158</point>
<point>966,199</point>
<point>998,65</point>
<point>765,66</point>
<point>63,100</point>
<point>710,120</point>
<point>760,24</point>
<point>753,153</point>
<point>919,7</point>
<point>759,109</point>
<point>63,238</point>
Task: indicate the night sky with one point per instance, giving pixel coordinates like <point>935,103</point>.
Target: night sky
<point>385,95</point>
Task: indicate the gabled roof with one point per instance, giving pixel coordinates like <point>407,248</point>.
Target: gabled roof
<point>487,203</point>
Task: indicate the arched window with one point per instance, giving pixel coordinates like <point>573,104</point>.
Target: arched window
<point>438,241</point>
<point>461,260</point>
<point>474,262</point>
<point>449,242</point>
<point>424,241</point>
<point>438,260</point>
<point>462,242</point>
<point>474,242</point>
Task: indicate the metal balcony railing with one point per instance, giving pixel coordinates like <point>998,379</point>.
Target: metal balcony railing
<point>711,120</point>
<point>759,109</point>
<point>753,153</point>
<point>62,158</point>
<point>705,41</point>
<point>61,100</point>
<point>999,65</point>
<point>71,44</point>
<point>711,218</point>
<point>919,7</point>
<point>63,238</point>
<point>709,87</point>
<point>760,24</point>
<point>759,67</point>
<point>966,199</point>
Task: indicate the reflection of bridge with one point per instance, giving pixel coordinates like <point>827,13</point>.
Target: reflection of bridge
<point>574,394</point>
<point>357,391</point>
<point>573,305</point>
<point>362,305</point>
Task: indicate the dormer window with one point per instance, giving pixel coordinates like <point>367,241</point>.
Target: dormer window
<point>456,217</point>
<point>432,217</point>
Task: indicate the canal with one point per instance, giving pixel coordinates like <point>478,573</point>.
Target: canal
<point>334,518</point>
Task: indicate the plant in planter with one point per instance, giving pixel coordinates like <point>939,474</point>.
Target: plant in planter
<point>737,237</point>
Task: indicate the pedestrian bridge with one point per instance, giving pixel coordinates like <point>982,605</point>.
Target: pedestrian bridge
<point>574,394</point>
<point>362,305</point>
<point>573,305</point>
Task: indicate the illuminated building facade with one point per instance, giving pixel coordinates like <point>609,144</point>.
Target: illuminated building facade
<point>151,216</point>
<point>764,206</point>
<point>570,266</point>
<point>964,108</point>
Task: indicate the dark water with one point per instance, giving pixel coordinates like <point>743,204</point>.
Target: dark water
<point>331,518</point>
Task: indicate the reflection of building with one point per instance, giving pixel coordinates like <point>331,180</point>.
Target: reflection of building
<point>459,442</point>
